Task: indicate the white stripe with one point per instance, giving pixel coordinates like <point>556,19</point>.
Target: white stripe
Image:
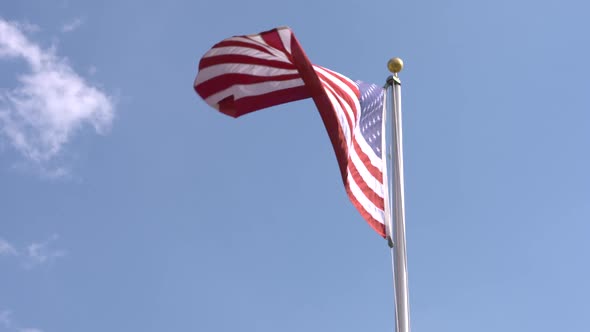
<point>340,76</point>
<point>347,108</point>
<point>242,50</point>
<point>367,205</point>
<point>285,34</point>
<point>239,68</point>
<point>367,150</point>
<point>375,184</point>
<point>258,40</point>
<point>335,79</point>
<point>340,114</point>
<point>251,90</point>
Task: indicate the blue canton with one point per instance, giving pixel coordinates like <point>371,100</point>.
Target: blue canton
<point>371,114</point>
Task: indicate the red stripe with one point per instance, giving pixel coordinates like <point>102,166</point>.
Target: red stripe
<point>274,39</point>
<point>323,104</point>
<point>350,84</point>
<point>346,115</point>
<point>366,161</point>
<point>336,91</point>
<point>242,106</point>
<point>220,83</point>
<point>229,43</point>
<point>343,94</point>
<point>377,200</point>
<point>242,59</point>
<point>374,223</point>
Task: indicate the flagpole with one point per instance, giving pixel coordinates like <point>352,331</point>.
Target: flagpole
<point>397,235</point>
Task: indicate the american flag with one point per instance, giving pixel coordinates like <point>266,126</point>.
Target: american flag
<point>243,74</point>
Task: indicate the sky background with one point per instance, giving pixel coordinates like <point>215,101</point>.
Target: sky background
<point>127,204</point>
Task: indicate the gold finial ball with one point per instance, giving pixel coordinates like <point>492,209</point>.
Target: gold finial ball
<point>395,65</point>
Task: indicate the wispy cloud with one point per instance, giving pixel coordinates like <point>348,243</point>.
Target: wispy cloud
<point>72,25</point>
<point>38,253</point>
<point>32,255</point>
<point>50,102</point>
<point>6,249</point>
<point>8,324</point>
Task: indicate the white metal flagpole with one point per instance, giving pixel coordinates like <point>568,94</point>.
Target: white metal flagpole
<point>397,235</point>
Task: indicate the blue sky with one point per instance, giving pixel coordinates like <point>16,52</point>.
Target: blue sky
<point>130,205</point>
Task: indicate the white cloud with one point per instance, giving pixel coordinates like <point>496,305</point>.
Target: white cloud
<point>72,25</point>
<point>42,252</point>
<point>6,249</point>
<point>51,101</point>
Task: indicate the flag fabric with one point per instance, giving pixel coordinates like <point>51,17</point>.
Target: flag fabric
<point>243,74</point>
